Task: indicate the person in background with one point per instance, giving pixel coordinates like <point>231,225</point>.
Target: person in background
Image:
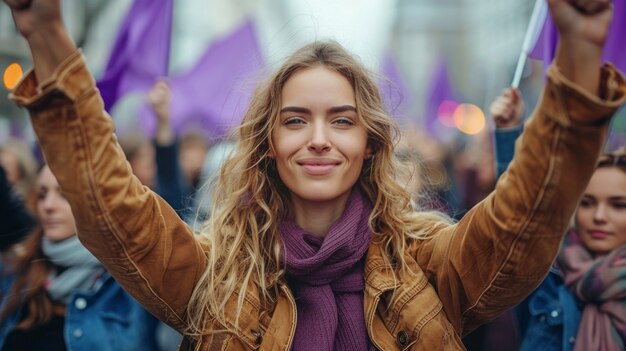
<point>313,243</point>
<point>20,165</point>
<point>156,163</point>
<point>214,159</point>
<point>170,182</point>
<point>581,304</point>
<point>16,219</point>
<point>141,156</point>
<point>430,181</point>
<point>193,151</point>
<point>507,112</point>
<point>55,295</point>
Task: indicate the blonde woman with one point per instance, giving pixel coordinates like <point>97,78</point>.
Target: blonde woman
<point>312,243</point>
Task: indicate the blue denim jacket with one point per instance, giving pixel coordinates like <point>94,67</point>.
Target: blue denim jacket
<point>549,317</point>
<point>105,320</point>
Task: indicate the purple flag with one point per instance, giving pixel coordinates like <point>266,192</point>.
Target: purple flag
<point>614,50</point>
<point>441,101</point>
<point>141,51</point>
<point>214,94</point>
<point>396,95</point>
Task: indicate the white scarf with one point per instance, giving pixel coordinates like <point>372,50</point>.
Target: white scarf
<point>81,268</point>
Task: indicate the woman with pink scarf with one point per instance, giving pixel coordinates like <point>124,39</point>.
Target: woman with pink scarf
<point>581,303</point>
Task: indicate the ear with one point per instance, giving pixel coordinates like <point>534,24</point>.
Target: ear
<point>368,152</point>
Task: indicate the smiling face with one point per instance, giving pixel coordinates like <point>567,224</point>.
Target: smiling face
<point>53,209</point>
<point>601,216</point>
<point>319,142</point>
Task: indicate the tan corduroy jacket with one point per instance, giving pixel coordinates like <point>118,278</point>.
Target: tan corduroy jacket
<point>468,274</point>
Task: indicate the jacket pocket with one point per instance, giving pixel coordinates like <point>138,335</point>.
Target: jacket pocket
<point>545,324</point>
<point>545,308</point>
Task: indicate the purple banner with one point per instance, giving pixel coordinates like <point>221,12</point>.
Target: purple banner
<point>141,51</point>
<point>214,94</point>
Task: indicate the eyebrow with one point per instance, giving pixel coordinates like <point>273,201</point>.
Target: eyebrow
<point>335,109</point>
<point>611,198</point>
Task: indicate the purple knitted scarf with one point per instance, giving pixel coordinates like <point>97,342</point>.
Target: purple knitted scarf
<point>326,277</point>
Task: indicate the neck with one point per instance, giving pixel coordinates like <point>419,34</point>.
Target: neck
<point>316,217</point>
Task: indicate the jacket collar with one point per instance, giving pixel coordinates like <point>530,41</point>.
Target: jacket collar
<point>378,273</point>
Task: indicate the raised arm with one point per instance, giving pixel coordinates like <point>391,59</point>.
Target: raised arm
<point>170,184</point>
<point>507,112</point>
<point>503,248</point>
<point>139,238</point>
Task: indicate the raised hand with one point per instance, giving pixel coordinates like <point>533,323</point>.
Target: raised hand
<point>41,23</point>
<point>31,16</point>
<point>159,99</point>
<point>586,20</point>
<point>507,110</point>
<point>583,26</point>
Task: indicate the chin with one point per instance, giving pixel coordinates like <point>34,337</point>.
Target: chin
<point>598,248</point>
<point>315,194</point>
<point>55,236</point>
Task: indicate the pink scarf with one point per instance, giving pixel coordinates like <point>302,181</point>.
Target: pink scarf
<point>601,284</point>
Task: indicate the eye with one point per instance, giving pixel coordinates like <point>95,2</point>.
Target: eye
<point>294,121</point>
<point>619,205</point>
<point>343,121</point>
<point>586,203</point>
<point>41,195</point>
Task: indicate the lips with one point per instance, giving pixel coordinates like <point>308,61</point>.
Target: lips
<point>318,166</point>
<point>51,222</point>
<point>598,234</point>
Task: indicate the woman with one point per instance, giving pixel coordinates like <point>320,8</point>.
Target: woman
<point>579,306</point>
<point>312,243</point>
<point>55,295</point>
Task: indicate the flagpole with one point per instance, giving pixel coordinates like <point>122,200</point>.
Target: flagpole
<point>537,18</point>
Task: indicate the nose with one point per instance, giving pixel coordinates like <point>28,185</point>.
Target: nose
<point>320,141</point>
<point>599,215</point>
<point>49,202</point>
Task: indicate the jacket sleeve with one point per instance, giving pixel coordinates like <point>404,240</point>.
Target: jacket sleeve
<point>504,146</point>
<point>503,247</point>
<point>137,236</point>
<point>170,184</point>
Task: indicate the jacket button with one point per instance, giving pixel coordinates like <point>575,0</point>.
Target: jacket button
<point>572,340</point>
<point>402,338</point>
<point>80,303</point>
<point>77,333</point>
<point>258,338</point>
<point>554,314</point>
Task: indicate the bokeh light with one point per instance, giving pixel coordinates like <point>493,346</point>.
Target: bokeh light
<point>469,119</point>
<point>445,113</point>
<point>12,75</point>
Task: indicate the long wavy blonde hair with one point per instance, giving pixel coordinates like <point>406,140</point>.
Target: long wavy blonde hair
<point>250,199</point>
